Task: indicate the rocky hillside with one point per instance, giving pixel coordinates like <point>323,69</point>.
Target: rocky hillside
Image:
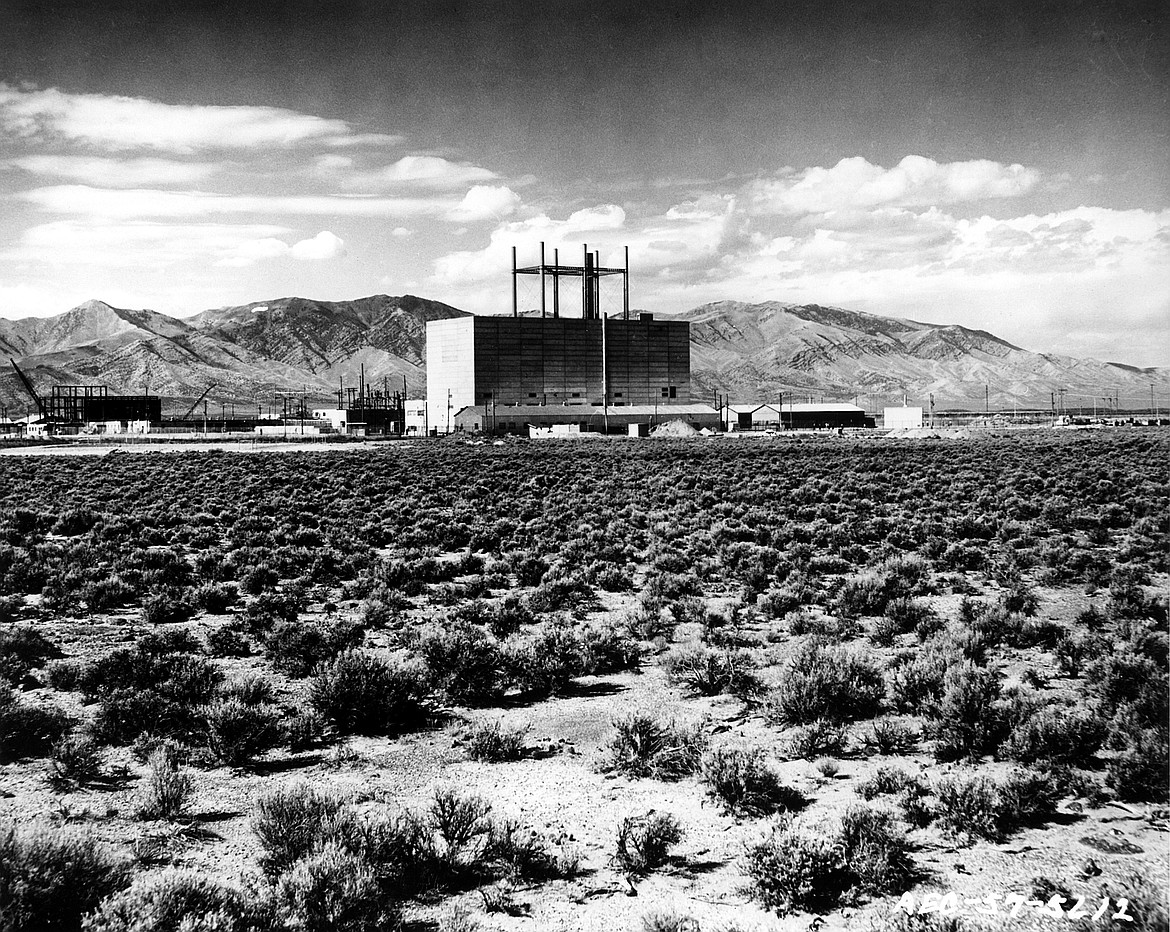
<point>750,352</point>
<point>756,351</point>
<point>246,352</point>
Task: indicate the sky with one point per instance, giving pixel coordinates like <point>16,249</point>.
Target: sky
<point>1000,165</point>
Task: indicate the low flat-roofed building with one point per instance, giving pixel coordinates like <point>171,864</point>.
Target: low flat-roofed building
<point>801,416</point>
<point>516,419</point>
<point>822,416</point>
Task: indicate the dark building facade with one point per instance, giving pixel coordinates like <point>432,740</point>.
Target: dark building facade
<point>556,361</point>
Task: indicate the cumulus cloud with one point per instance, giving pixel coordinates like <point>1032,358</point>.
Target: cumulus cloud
<point>586,220</point>
<point>914,181</point>
<point>1077,239</point>
<point>682,243</point>
<point>411,170</point>
<point>114,173</point>
<point>482,265</point>
<point>324,245</point>
<point>484,202</point>
<point>121,123</point>
<point>933,242</point>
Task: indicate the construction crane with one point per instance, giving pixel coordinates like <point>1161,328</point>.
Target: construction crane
<point>28,388</point>
<point>191,410</point>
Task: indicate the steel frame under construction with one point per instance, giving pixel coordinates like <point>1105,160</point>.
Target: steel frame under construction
<point>87,404</point>
<point>591,271</point>
<point>81,404</point>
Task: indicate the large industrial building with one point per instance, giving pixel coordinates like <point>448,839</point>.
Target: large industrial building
<point>503,373</point>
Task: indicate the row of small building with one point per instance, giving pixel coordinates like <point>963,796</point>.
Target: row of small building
<point>596,419</point>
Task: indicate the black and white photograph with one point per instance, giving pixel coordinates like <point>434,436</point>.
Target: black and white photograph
<point>584,466</point>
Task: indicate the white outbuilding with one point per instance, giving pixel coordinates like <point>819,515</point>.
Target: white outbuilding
<point>902,418</point>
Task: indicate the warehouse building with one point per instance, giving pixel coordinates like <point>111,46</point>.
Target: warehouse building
<point>810,416</point>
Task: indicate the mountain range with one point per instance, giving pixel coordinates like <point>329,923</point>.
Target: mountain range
<point>748,352</point>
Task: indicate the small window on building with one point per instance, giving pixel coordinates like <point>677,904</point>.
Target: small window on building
<point>487,395</point>
<point>532,394</point>
<point>673,392</point>
<point>617,394</point>
<point>576,394</point>
<point>475,426</point>
<point>665,392</point>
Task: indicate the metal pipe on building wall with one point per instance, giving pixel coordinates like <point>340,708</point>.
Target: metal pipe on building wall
<point>604,376</point>
<point>585,281</point>
<point>541,279</point>
<point>626,288</point>
<point>556,284</point>
<point>597,283</point>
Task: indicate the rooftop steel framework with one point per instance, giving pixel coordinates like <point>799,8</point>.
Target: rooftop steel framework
<point>591,271</point>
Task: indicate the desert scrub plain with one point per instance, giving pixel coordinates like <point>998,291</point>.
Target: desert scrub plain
<point>656,685</point>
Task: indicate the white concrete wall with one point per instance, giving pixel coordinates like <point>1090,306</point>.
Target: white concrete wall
<point>450,369</point>
<point>902,418</point>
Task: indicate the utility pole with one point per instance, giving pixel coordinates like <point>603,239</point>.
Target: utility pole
<point>604,375</point>
<point>448,411</point>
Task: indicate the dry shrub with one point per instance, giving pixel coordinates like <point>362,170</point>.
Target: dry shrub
<point>644,746</point>
<point>358,693</point>
<point>177,901</point>
<point>822,682</point>
<point>49,878</point>
<point>167,788</point>
<point>743,783</point>
<point>644,842</point>
<point>493,743</point>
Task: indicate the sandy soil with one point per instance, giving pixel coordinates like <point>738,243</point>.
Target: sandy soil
<point>562,793</point>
